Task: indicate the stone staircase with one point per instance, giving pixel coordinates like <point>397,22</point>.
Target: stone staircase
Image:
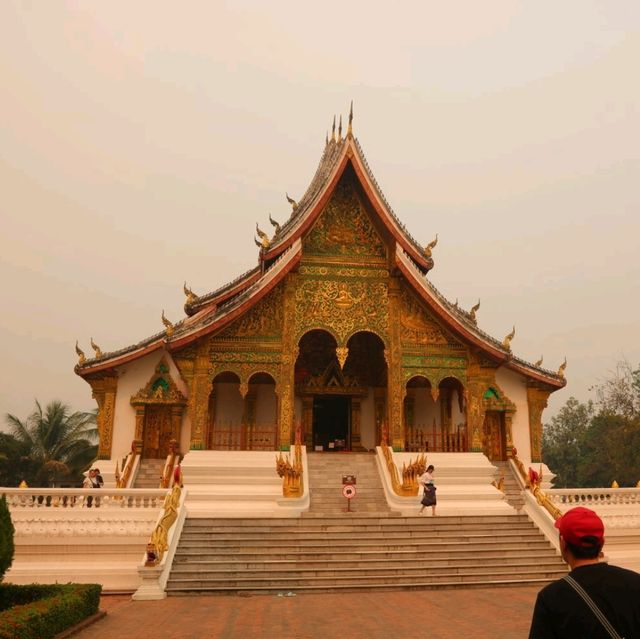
<point>360,553</point>
<point>325,482</point>
<point>149,473</point>
<point>369,548</point>
<point>511,487</point>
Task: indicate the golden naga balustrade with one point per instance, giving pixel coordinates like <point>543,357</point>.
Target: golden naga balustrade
<point>122,480</point>
<point>291,473</point>
<point>165,481</point>
<point>532,481</point>
<point>410,472</point>
<point>158,543</point>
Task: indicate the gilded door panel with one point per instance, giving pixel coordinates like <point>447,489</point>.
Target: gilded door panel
<point>157,432</point>
<point>494,436</point>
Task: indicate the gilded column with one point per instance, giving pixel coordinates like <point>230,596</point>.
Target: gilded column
<point>139,434</point>
<point>199,382</point>
<point>395,391</point>
<point>508,421</point>
<point>176,421</point>
<point>537,401</point>
<point>104,392</point>
<point>475,416</point>
<point>286,382</point>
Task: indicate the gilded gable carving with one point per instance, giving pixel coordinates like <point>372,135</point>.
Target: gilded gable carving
<point>263,320</point>
<point>416,326</point>
<point>343,307</point>
<point>344,228</point>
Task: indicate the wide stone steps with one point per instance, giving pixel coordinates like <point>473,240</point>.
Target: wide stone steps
<point>149,473</point>
<point>359,553</point>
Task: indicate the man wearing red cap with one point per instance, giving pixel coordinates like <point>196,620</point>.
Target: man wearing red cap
<point>595,600</point>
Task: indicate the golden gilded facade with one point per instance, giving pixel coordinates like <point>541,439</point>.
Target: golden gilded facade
<point>337,324</point>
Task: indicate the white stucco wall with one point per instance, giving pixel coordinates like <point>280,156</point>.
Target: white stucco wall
<point>514,386</point>
<point>131,378</point>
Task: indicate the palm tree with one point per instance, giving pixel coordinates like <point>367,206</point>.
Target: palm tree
<point>60,444</point>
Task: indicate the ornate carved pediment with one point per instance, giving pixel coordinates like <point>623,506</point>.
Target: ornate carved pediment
<point>264,320</point>
<point>160,389</point>
<point>344,228</point>
<point>332,381</point>
<point>416,326</point>
<point>495,399</point>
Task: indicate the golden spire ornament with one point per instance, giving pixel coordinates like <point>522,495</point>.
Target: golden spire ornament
<point>96,348</point>
<point>539,362</point>
<point>333,129</point>
<point>274,224</point>
<point>168,325</point>
<point>340,129</point>
<point>294,204</point>
<point>81,356</point>
<point>562,368</point>
<point>189,293</point>
<point>474,310</point>
<point>429,247</point>
<point>350,127</point>
<point>506,342</point>
<point>264,238</point>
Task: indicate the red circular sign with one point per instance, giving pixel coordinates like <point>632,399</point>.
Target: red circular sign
<point>349,491</point>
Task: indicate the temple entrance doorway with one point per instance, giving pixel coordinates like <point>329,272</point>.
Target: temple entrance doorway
<point>157,432</point>
<point>494,436</point>
<point>331,423</point>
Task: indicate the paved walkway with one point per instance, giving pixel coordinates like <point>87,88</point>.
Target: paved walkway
<point>487,613</point>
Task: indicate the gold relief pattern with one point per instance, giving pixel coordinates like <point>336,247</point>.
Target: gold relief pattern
<point>537,402</point>
<point>249,357</point>
<point>343,307</point>
<point>343,271</point>
<point>344,228</point>
<point>104,392</point>
<point>416,325</point>
<point>160,389</point>
<point>244,371</point>
<point>263,320</point>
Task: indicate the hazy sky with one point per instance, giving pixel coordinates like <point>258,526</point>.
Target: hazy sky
<point>141,141</point>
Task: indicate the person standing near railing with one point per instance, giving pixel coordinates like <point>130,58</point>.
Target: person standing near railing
<point>595,599</point>
<point>429,496</point>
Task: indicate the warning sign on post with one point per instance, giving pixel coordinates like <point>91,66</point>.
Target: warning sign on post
<point>349,479</point>
<point>349,491</point>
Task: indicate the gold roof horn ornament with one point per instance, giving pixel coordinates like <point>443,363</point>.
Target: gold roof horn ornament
<point>455,306</point>
<point>81,356</point>
<point>562,368</point>
<point>340,129</point>
<point>257,242</point>
<point>326,139</point>
<point>97,349</point>
<point>274,224</point>
<point>429,247</point>
<point>538,364</point>
<point>294,204</point>
<point>168,325</point>
<point>191,296</point>
<point>506,342</point>
<point>474,310</point>
<point>333,129</point>
<point>350,127</point>
<point>265,242</point>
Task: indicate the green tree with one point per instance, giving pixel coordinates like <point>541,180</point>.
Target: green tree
<point>563,441</point>
<point>6,538</point>
<point>591,444</point>
<point>59,444</point>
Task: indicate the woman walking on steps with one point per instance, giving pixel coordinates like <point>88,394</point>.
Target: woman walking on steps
<point>429,497</point>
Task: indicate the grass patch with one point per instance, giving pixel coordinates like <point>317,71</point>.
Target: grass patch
<point>40,612</point>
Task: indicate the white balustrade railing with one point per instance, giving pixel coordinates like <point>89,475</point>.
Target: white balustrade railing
<point>570,497</point>
<point>20,499</point>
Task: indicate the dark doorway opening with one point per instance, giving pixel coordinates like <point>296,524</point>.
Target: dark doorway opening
<point>331,427</point>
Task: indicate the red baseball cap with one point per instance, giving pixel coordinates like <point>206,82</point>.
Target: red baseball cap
<point>578,523</point>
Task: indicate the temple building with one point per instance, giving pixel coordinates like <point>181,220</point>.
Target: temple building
<point>337,336</point>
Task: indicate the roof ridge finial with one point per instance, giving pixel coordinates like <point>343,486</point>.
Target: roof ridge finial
<point>340,129</point>
<point>333,129</point>
<point>326,139</point>
<point>350,127</point>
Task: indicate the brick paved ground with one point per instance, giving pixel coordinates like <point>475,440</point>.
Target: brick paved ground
<point>491,613</point>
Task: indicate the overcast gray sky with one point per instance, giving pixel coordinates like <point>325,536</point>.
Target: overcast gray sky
<point>141,141</point>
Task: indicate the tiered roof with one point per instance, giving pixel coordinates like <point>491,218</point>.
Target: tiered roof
<point>280,254</point>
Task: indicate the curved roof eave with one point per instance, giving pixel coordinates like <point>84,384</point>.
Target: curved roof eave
<point>440,306</point>
<point>349,152</point>
<point>204,322</point>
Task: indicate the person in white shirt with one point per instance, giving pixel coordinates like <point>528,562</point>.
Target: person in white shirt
<point>429,496</point>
